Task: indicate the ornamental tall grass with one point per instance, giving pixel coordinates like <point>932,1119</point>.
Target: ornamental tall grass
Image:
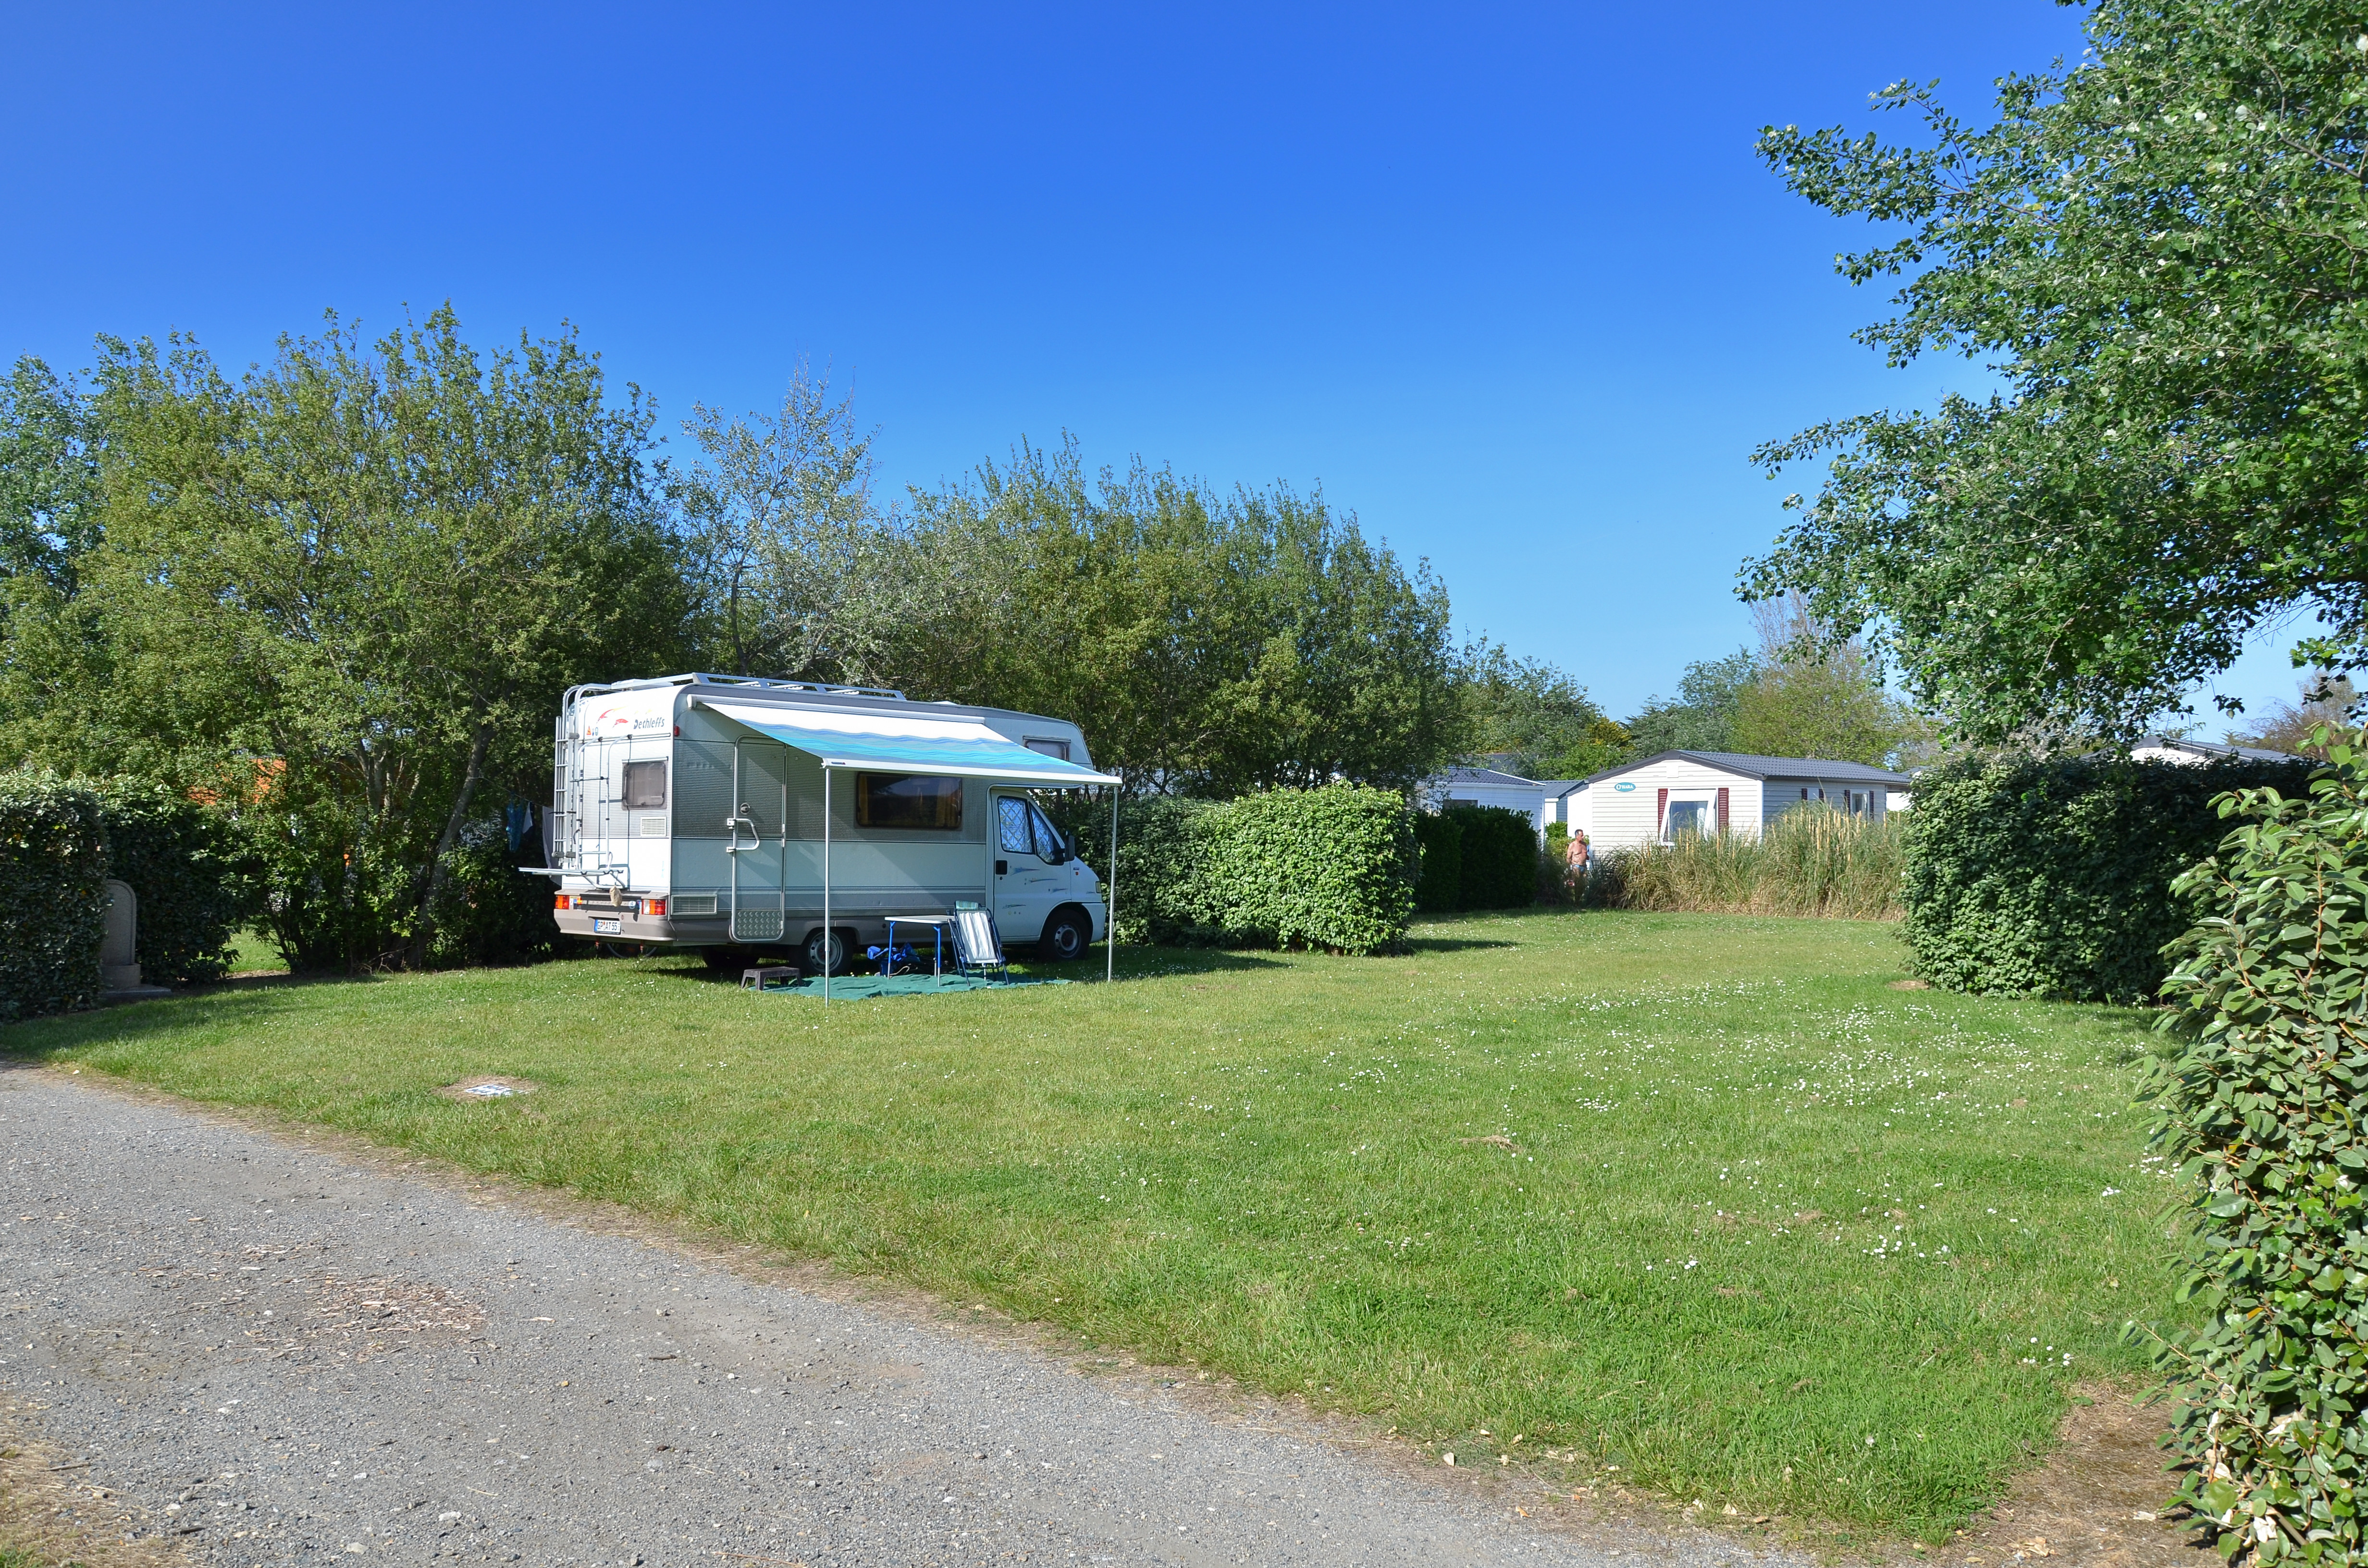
<point>1811,860</point>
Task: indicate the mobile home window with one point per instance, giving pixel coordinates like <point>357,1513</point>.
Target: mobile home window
<point>1050,749</point>
<point>906,799</point>
<point>644,786</point>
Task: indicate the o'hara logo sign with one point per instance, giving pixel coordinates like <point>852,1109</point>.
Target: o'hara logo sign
<point>1623,786</point>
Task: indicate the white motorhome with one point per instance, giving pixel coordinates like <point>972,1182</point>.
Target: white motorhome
<point>740,816</point>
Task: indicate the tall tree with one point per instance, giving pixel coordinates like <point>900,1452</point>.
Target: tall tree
<point>352,586</point>
<point>2325,703</point>
<point>1701,716</point>
<point>52,647</point>
<point>48,478</point>
<point>1205,641</point>
<point>784,546</point>
<point>1534,715</point>
<point>2158,250</point>
<point>1814,696</point>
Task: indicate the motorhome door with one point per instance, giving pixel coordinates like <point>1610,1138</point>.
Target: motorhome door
<point>1026,886</point>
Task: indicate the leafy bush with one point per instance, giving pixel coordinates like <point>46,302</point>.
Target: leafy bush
<point>1331,868</point>
<point>52,895</point>
<point>2260,1109</point>
<point>1438,887</point>
<point>1159,863</point>
<point>192,870</point>
<point>1811,860</point>
<point>1499,855</point>
<point>490,911</point>
<point>2032,877</point>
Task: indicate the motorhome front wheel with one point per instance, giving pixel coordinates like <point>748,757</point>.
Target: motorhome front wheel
<point>1067,935</point>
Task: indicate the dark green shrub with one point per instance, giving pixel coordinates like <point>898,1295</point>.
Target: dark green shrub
<point>2052,877</point>
<point>193,870</point>
<point>1159,902</point>
<point>2261,1111</point>
<point>1331,868</point>
<point>490,911</point>
<point>1439,887</point>
<point>1500,857</point>
<point>1555,882</point>
<point>52,895</point>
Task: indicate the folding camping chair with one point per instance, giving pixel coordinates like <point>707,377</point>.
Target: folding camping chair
<point>978,949</point>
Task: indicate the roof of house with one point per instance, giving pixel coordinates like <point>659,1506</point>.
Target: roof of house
<point>1808,767</point>
<point>2213,748</point>
<point>1557,789</point>
<point>1482,775</point>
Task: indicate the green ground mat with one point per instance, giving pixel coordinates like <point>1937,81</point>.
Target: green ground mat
<point>856,987</point>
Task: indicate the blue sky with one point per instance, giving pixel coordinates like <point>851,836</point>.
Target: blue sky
<point>1504,281</point>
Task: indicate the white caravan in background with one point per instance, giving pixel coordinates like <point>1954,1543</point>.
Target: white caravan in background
<point>727,813</point>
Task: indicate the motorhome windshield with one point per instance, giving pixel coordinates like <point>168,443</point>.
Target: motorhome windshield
<point>1051,842</point>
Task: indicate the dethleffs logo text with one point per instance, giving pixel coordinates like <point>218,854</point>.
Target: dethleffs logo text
<point>615,720</point>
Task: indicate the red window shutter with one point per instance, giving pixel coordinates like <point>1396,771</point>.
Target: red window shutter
<point>1660,813</point>
<point>1722,808</point>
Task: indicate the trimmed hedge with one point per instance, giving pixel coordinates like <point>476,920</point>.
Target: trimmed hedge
<point>1476,857</point>
<point>1499,857</point>
<point>52,895</point>
<point>1439,887</point>
<point>2052,877</point>
<point>2261,1111</point>
<point>1331,868</point>
<point>194,872</point>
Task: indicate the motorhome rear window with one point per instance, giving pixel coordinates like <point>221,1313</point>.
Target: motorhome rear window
<point>906,799</point>
<point>644,786</point>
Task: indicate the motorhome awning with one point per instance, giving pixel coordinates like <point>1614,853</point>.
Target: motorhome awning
<point>903,742</point>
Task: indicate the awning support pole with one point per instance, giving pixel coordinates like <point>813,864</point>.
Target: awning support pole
<point>826,934</point>
<point>1109,937</point>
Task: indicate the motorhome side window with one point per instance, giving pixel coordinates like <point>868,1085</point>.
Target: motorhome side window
<point>904,800</point>
<point>1012,824</point>
<point>1049,749</point>
<point>644,786</point>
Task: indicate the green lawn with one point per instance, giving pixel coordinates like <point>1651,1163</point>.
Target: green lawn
<point>1770,1232</point>
<point>252,949</point>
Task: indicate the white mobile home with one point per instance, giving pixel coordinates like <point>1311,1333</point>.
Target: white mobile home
<point>1485,787</point>
<point>741,815</point>
<point>1712,791</point>
<point>2195,754</point>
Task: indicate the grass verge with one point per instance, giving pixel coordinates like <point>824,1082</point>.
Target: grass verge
<point>53,1516</point>
<point>1700,1202</point>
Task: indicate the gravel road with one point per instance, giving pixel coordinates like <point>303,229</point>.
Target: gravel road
<point>282,1355</point>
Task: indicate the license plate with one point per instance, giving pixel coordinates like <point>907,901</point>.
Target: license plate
<point>607,927</point>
